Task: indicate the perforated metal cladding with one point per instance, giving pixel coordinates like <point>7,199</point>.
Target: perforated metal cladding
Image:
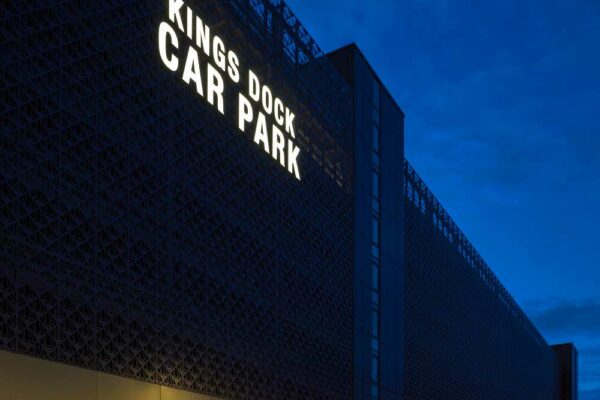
<point>464,337</point>
<point>143,235</point>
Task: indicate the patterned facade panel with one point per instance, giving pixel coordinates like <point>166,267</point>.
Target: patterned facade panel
<point>465,337</point>
<point>142,234</point>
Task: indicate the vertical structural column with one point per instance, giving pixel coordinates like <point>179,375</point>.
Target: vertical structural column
<point>378,231</point>
<point>567,357</point>
<point>391,228</point>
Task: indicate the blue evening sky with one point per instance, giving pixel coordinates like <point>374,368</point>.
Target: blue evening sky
<point>502,100</point>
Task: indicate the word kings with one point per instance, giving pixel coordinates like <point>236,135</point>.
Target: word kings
<point>207,79</point>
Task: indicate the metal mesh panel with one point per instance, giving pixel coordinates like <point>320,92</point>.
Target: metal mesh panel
<point>142,235</point>
<point>465,338</point>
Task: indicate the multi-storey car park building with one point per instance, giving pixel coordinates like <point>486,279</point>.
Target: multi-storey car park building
<point>197,203</point>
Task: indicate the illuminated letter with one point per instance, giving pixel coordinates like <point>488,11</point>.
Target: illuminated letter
<point>215,86</point>
<point>219,53</point>
<point>293,152</point>
<point>279,111</point>
<point>175,13</point>
<point>203,36</point>
<point>289,122</point>
<point>245,113</point>
<point>267,100</point>
<point>164,30</point>
<point>234,64</point>
<point>277,149</point>
<point>254,86</point>
<point>261,132</point>
<point>190,23</point>
<point>192,70</point>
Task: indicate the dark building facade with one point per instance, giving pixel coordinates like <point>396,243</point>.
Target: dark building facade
<point>142,233</point>
<point>197,203</point>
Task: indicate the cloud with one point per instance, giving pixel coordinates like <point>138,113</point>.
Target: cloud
<point>578,322</point>
<point>578,318</point>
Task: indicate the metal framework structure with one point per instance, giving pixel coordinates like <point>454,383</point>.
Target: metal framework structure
<point>465,336</point>
<point>418,193</point>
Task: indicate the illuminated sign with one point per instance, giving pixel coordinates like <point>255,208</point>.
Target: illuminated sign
<point>204,62</point>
